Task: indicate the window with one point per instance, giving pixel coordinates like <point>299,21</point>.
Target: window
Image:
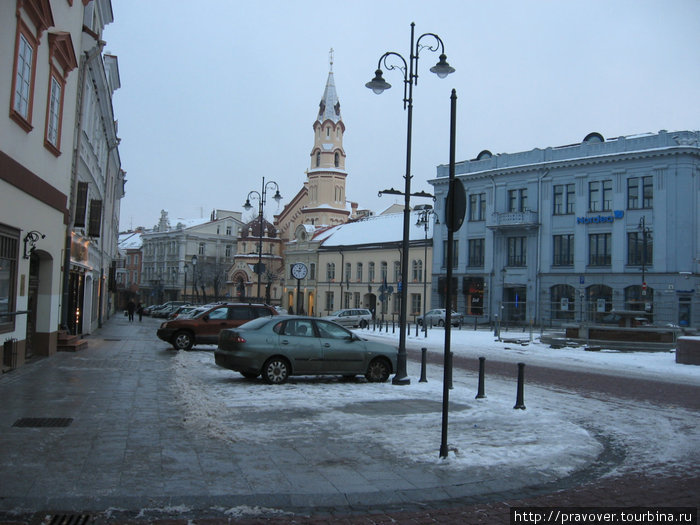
<point>517,251</point>
<point>329,301</point>
<point>337,159</point>
<point>318,159</point>
<point>600,195</point>
<point>9,251</point>
<point>359,272</point>
<point>397,271</point>
<point>564,203</point>
<point>417,270</point>
<point>563,301</point>
<point>95,218</point>
<point>229,250</point>
<point>640,192</point>
<point>455,253</point>
<point>370,271</point>
<point>563,250</point>
<point>54,114</point>
<point>228,230</point>
<point>636,254</point>
<point>312,271</point>
<point>23,88</point>
<point>330,271</point>
<point>517,200</point>
<point>599,249</point>
<point>477,207</point>
<point>415,304</point>
<point>201,248</point>
<point>81,205</point>
<point>384,269</point>
<point>476,253</point>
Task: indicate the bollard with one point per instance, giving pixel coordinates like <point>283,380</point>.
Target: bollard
<point>416,329</point>
<point>475,320</point>
<point>393,327</point>
<point>480,394</point>
<point>423,364</point>
<point>519,402</point>
<point>449,379</point>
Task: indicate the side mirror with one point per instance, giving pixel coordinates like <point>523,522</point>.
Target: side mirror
<point>205,318</point>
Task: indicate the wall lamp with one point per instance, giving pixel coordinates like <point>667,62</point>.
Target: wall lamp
<point>31,239</point>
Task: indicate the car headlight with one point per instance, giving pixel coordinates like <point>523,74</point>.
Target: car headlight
<point>164,325</point>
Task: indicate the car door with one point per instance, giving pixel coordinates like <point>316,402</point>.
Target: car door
<point>299,343</point>
<point>216,320</point>
<point>342,353</point>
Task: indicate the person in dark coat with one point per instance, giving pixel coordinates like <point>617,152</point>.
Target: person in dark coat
<point>130,308</point>
<point>139,310</point>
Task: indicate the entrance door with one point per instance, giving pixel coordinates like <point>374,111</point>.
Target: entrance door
<point>32,302</point>
<point>515,304</point>
<point>684,311</point>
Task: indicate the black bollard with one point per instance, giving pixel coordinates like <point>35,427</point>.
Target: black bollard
<point>480,394</point>
<point>423,365</point>
<point>519,402</point>
<point>449,379</point>
<point>393,327</point>
<point>416,329</point>
<point>475,320</point>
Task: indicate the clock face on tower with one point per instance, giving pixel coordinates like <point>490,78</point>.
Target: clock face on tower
<point>299,270</point>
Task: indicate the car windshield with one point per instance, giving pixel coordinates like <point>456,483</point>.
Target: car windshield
<point>337,313</point>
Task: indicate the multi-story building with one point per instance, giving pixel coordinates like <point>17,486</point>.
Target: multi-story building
<point>569,233</point>
<point>358,265</point>
<point>128,268</point>
<point>49,46</point>
<point>198,250</point>
<point>97,183</point>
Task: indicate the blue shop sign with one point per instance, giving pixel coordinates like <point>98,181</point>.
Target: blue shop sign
<point>600,219</point>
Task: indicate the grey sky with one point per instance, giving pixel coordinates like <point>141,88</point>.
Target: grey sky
<point>216,95</point>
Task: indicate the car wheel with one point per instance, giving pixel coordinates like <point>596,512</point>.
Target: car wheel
<point>441,322</point>
<point>250,375</point>
<point>275,371</point>
<point>363,323</point>
<point>183,341</point>
<point>378,370</point>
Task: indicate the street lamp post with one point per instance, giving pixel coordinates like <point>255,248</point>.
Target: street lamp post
<point>424,220</point>
<point>378,85</point>
<point>194,278</point>
<point>184,294</point>
<point>262,198</point>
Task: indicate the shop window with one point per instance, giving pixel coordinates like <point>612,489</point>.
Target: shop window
<point>9,252</point>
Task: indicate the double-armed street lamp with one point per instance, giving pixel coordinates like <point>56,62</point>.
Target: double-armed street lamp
<point>378,85</point>
<point>262,198</point>
<point>424,220</point>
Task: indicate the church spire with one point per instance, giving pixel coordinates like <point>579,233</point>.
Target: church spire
<point>329,107</point>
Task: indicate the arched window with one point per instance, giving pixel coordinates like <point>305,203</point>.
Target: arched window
<point>318,159</point>
<point>337,159</point>
<point>384,269</point>
<point>599,299</point>
<point>330,271</point>
<point>638,299</point>
<point>563,301</point>
<point>359,272</point>
<point>370,271</point>
<point>417,270</point>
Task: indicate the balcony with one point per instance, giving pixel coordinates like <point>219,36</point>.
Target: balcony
<point>514,220</point>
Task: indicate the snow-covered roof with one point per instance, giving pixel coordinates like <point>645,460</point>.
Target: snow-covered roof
<point>130,241</point>
<point>375,230</point>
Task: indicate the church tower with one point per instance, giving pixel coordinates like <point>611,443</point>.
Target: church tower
<point>326,175</point>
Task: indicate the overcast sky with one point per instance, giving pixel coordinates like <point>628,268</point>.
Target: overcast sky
<point>216,95</point>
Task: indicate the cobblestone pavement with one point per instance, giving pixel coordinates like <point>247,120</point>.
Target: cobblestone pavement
<point>141,412</point>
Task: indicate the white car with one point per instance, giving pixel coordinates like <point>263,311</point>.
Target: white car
<point>436,317</point>
<point>353,317</point>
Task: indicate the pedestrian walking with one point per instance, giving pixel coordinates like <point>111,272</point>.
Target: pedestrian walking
<point>139,310</point>
<point>130,308</point>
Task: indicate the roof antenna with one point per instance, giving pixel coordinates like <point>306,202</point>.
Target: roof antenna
<point>330,58</point>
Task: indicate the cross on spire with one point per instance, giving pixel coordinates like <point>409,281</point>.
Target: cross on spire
<point>330,58</point>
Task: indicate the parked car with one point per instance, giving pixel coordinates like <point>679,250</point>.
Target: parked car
<point>204,326</point>
<point>151,310</point>
<point>277,348</point>
<point>351,317</point>
<point>437,317</point>
<point>182,311</point>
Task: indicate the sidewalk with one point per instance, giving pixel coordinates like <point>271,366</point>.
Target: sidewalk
<point>126,451</point>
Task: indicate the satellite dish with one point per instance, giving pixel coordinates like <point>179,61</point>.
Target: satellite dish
<point>455,205</point>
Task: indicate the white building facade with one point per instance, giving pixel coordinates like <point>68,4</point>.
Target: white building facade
<point>569,233</point>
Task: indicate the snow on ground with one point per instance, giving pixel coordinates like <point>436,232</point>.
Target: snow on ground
<point>558,433</point>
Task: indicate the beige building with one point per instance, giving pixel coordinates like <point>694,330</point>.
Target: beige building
<point>358,265</point>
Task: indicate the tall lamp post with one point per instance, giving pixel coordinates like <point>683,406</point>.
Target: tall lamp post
<point>184,291</point>
<point>424,220</point>
<point>194,278</point>
<point>262,198</point>
<point>379,85</point>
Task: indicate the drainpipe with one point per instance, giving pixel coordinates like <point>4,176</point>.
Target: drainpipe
<point>65,295</point>
<point>539,244</point>
<point>493,255</point>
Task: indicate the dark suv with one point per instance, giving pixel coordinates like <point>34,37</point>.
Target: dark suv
<point>204,327</point>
